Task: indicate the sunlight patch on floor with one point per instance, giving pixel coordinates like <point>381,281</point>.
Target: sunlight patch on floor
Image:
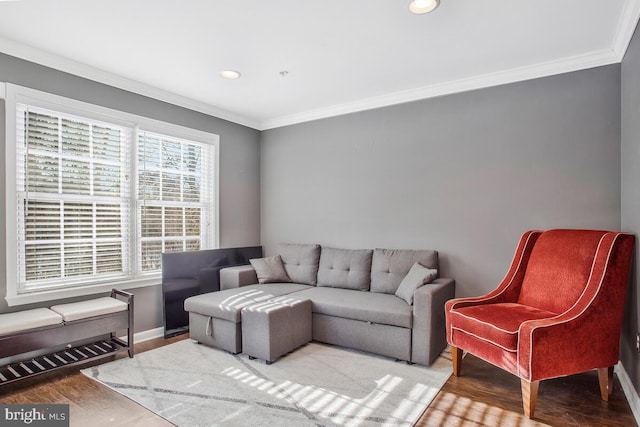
<point>450,410</point>
<point>339,408</point>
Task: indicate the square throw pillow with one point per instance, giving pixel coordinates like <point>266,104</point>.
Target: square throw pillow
<point>270,270</point>
<point>417,276</point>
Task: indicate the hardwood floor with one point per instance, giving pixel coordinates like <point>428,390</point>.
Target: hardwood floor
<point>488,396</point>
<point>90,403</point>
<point>483,396</point>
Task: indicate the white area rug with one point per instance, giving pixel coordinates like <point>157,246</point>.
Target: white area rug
<point>317,385</point>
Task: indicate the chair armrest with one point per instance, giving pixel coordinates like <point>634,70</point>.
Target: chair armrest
<point>428,334</point>
<point>587,335</point>
<point>235,277</point>
<point>509,288</point>
<point>573,338</point>
<point>580,337</point>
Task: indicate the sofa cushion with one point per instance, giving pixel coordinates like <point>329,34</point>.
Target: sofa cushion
<point>390,266</point>
<point>228,304</point>
<point>301,262</point>
<point>363,306</point>
<point>345,268</point>
<point>418,276</point>
<point>270,270</point>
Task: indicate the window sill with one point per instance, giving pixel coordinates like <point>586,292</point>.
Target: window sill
<point>52,295</point>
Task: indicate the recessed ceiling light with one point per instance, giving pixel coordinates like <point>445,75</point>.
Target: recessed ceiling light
<point>420,7</point>
<point>229,74</point>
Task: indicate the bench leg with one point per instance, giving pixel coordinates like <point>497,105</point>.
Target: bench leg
<point>130,297</point>
<point>130,329</point>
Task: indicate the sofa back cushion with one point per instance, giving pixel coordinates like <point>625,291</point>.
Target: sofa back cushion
<point>345,268</point>
<point>390,266</point>
<point>300,262</point>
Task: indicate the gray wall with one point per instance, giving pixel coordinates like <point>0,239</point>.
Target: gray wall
<point>631,198</point>
<point>465,174</point>
<point>239,187</point>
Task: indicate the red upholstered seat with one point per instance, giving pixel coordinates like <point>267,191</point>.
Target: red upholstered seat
<point>496,324</point>
<point>557,312</point>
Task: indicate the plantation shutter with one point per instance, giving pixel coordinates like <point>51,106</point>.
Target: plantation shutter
<point>174,196</point>
<point>73,199</point>
<point>99,198</point>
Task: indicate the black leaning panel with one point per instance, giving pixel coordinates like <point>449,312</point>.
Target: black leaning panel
<point>185,274</point>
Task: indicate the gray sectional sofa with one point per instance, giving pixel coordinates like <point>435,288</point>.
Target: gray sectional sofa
<point>355,300</point>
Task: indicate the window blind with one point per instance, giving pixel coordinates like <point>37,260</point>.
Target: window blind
<point>73,199</point>
<point>173,196</point>
<point>98,201</point>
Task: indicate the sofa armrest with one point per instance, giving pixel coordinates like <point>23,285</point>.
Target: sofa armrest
<point>428,335</point>
<point>235,277</point>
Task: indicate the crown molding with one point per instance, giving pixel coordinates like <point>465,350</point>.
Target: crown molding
<point>565,65</point>
<point>626,27</point>
<point>604,57</point>
<point>66,65</point>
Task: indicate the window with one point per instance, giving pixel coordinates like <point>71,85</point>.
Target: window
<point>99,196</point>
<point>171,201</point>
<point>73,199</point>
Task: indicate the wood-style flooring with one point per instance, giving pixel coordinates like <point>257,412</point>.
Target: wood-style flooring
<point>483,396</point>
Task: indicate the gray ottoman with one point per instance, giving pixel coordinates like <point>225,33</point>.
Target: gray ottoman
<point>273,328</point>
<point>214,318</point>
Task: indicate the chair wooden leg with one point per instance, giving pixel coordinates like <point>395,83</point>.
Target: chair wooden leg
<point>529,396</point>
<point>605,378</point>
<point>456,358</point>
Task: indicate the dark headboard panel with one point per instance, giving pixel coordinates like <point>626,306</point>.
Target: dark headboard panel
<point>185,274</point>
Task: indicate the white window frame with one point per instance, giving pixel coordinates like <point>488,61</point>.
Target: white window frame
<point>14,95</point>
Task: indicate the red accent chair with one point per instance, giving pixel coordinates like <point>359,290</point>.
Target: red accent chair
<point>557,312</point>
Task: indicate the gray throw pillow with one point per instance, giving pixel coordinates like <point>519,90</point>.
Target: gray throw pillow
<point>270,270</point>
<point>417,276</point>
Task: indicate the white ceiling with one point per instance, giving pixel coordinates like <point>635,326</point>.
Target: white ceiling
<point>341,55</point>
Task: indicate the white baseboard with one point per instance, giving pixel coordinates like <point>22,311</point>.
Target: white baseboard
<point>147,335</point>
<point>629,391</point>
